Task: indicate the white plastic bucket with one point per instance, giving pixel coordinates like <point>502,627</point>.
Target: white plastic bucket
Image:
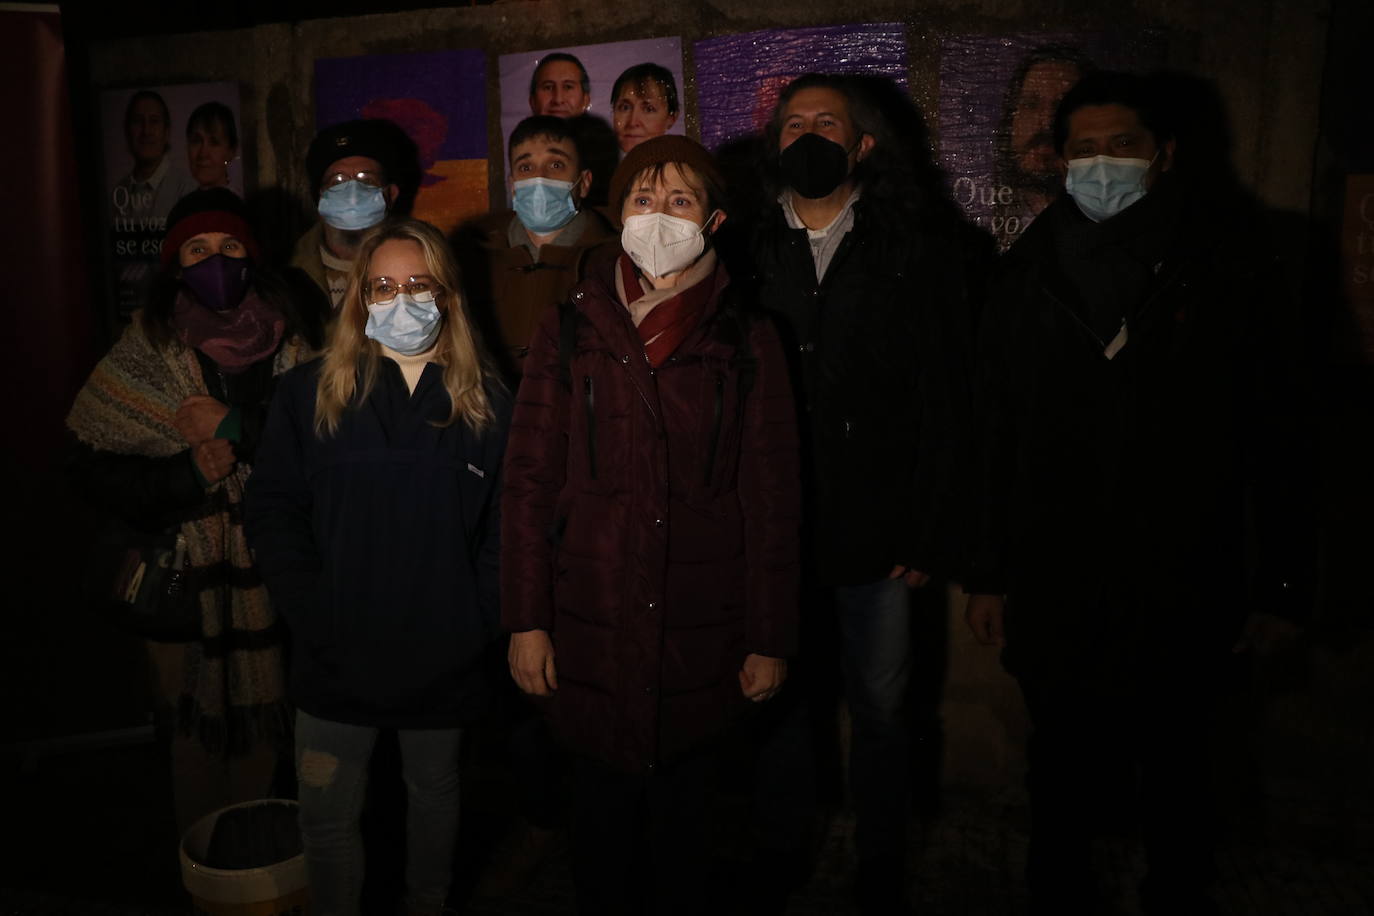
<point>279,889</point>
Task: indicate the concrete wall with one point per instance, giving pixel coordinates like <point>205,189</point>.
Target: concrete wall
<point>1266,59</point>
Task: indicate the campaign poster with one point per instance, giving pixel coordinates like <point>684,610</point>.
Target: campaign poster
<point>650,102</point>
<point>159,144</point>
<point>1357,256</point>
<point>739,77</point>
<point>439,98</point>
<point>998,94</point>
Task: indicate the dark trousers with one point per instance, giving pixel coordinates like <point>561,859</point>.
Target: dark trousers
<point>1092,748</point>
<point>639,840</point>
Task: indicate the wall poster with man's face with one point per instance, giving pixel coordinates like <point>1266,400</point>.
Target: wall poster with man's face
<point>998,94</point>
<point>159,144</point>
<point>439,99</point>
<point>618,95</point>
<point>739,77</point>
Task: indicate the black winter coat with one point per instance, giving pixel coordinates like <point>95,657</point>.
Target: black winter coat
<point>1112,494</point>
<point>878,353</point>
<point>379,546</point>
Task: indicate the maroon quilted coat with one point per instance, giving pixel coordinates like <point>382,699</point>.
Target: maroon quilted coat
<point>650,522</point>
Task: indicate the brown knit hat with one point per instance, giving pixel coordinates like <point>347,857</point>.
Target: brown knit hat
<point>660,150</point>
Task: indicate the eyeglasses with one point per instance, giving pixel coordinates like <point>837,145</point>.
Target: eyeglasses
<point>381,290</point>
<point>371,179</point>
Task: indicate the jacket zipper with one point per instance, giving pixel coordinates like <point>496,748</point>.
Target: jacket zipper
<point>715,427</point>
<point>590,396</point>
<point>1101,345</point>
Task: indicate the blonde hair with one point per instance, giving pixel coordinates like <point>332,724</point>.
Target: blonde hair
<point>350,357</point>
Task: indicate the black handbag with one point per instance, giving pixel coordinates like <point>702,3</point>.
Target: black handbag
<point>150,594</point>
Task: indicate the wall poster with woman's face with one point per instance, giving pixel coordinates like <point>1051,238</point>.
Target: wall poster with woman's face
<point>622,92</point>
<point>159,144</point>
<point>739,77</point>
<point>439,99</point>
<point>998,94</point>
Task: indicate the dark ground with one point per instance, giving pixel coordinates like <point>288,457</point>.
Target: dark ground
<point>91,832</point>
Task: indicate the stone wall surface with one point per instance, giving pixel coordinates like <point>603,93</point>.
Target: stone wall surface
<point>1265,59</point>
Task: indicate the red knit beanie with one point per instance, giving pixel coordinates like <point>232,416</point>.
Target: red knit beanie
<point>211,210</point>
<point>658,151</point>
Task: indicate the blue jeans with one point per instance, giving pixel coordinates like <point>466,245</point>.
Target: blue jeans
<point>331,766</point>
<point>875,626</point>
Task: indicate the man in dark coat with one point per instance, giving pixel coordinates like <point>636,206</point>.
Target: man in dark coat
<point>859,269</point>
<point>1135,408</point>
<point>521,263</point>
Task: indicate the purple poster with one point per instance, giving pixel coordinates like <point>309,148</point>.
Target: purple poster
<point>439,99</point>
<point>739,77</point>
<point>998,94</point>
<point>159,144</point>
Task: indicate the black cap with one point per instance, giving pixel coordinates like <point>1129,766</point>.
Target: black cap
<point>371,137</point>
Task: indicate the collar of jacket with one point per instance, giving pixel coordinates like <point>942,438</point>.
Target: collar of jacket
<point>596,298</point>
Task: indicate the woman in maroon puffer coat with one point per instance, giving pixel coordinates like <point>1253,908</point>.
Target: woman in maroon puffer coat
<point>650,517</point>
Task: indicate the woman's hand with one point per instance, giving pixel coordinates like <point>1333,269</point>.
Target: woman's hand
<point>531,662</point>
<point>198,417</point>
<point>214,459</point>
<point>762,676</point>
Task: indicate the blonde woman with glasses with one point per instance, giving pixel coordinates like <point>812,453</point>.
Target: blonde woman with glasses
<point>373,514</point>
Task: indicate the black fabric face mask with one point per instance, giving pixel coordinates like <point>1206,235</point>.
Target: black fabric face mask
<point>814,166</point>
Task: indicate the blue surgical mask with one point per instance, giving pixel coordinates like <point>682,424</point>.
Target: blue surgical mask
<point>352,205</point>
<point>407,324</point>
<point>1103,186</point>
<point>544,205</point>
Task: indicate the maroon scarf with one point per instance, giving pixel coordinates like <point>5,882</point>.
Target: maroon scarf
<point>235,338</point>
<point>665,328</point>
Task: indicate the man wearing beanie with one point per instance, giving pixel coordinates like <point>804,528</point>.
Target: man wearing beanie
<point>360,171</point>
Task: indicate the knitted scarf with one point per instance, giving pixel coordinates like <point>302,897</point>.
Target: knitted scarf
<point>234,693</point>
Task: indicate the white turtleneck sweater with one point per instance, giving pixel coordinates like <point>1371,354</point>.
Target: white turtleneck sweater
<point>411,366</point>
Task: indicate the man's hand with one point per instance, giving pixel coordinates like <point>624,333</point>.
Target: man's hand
<point>531,662</point>
<point>198,417</point>
<point>984,616</point>
<point>762,676</point>
<point>214,459</point>
<point>914,577</point>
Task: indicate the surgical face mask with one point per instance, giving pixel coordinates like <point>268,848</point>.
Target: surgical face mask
<point>407,324</point>
<point>661,244</point>
<point>218,282</point>
<point>1103,186</point>
<point>352,205</point>
<point>814,166</point>
<point>544,205</point>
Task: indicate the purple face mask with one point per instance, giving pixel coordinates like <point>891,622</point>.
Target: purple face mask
<point>218,282</point>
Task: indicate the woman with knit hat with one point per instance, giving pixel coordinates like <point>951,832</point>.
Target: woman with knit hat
<point>649,539</point>
<point>166,429</point>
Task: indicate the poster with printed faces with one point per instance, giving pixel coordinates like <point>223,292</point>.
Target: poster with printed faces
<point>159,144</point>
<point>616,95</point>
<point>998,95</point>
